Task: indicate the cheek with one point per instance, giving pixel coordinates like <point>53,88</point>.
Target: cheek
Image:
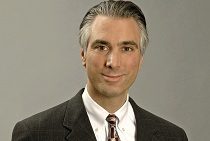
<point>95,62</point>
<point>133,63</point>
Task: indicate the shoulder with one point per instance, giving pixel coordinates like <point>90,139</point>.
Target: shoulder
<point>55,115</point>
<point>154,124</point>
<point>46,117</point>
<point>45,122</point>
<point>49,123</point>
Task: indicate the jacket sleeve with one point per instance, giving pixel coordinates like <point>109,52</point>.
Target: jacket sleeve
<point>21,132</point>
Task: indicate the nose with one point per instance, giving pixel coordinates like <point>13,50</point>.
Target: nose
<point>113,59</point>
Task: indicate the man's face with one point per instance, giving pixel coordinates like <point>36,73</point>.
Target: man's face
<point>113,57</point>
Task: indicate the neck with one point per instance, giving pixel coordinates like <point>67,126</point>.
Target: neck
<point>110,103</point>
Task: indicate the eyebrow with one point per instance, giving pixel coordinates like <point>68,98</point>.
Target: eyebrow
<point>103,42</point>
<point>132,43</point>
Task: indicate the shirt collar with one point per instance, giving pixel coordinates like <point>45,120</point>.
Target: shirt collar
<point>98,113</point>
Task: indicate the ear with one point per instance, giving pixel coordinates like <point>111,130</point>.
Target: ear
<point>141,62</point>
<point>83,56</point>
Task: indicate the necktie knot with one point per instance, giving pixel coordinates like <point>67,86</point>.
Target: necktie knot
<point>112,134</point>
<point>111,119</point>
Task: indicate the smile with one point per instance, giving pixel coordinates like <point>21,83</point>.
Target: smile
<point>112,78</point>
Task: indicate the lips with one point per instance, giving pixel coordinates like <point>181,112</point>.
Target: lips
<point>112,78</point>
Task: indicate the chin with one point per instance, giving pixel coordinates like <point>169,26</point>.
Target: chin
<point>112,91</point>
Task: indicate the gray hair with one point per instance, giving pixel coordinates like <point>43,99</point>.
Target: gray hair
<point>112,8</point>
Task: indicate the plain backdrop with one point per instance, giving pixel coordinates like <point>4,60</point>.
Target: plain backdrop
<point>40,65</point>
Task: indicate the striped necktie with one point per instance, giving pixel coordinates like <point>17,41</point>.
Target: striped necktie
<point>112,133</point>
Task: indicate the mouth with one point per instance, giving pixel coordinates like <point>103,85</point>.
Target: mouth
<point>112,78</point>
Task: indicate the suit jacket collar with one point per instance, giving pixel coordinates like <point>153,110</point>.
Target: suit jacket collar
<point>144,124</point>
<point>77,122</point>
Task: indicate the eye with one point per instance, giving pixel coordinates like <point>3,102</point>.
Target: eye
<point>101,48</point>
<point>127,49</point>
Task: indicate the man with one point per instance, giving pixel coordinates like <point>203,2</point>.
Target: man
<point>113,37</point>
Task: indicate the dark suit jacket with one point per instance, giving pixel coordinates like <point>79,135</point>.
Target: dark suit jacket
<point>69,122</point>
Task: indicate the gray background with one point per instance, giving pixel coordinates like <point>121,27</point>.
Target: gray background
<point>40,64</point>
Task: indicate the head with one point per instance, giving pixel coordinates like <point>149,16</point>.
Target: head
<point>113,38</point>
<point>118,9</point>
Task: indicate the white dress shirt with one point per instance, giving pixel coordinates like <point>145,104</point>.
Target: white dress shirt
<point>126,128</point>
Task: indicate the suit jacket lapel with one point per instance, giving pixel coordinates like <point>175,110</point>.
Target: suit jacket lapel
<point>145,132</point>
<point>76,120</point>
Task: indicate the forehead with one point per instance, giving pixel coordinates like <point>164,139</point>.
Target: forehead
<point>112,28</point>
